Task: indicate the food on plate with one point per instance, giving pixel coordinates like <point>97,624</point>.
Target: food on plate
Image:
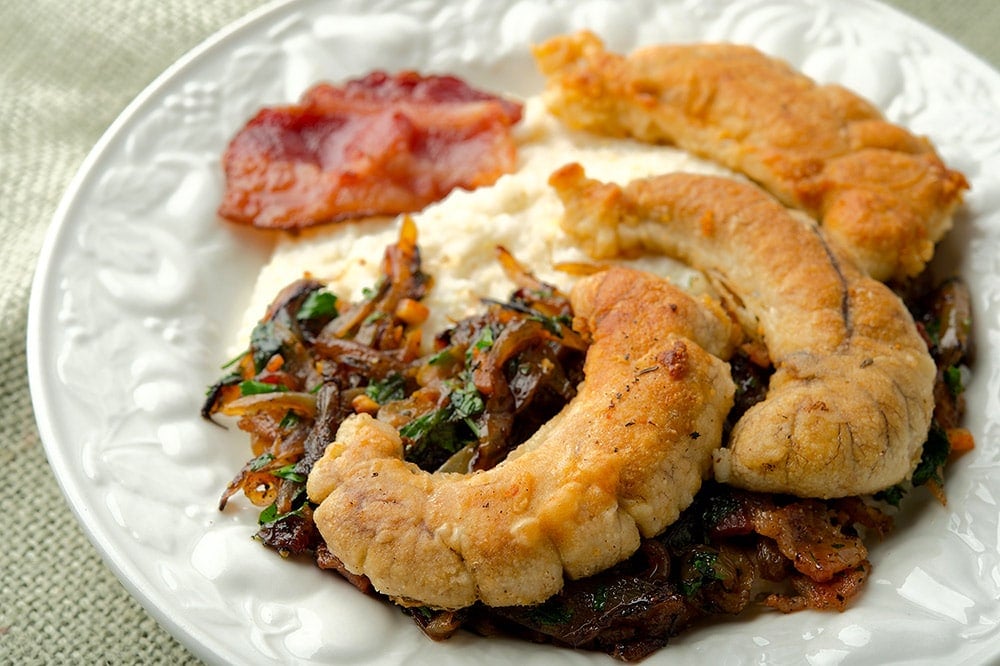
<point>720,558</point>
<point>879,191</point>
<point>531,463</point>
<point>728,551</point>
<point>850,401</point>
<point>379,145</point>
<point>618,463</point>
<point>461,231</point>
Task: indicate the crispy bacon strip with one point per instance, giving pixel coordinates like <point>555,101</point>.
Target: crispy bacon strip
<point>379,145</point>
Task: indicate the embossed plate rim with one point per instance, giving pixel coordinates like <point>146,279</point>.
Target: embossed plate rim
<point>71,485</point>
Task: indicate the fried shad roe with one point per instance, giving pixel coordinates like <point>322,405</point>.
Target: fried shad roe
<point>850,402</point>
<point>879,191</point>
<point>494,395</point>
<point>618,463</point>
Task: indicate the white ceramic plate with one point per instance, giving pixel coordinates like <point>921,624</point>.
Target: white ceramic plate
<point>139,289</point>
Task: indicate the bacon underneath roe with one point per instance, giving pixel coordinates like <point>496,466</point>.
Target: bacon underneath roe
<point>379,145</point>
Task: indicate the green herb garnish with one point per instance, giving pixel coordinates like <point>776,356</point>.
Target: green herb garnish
<point>701,571</point>
<point>319,303</point>
<point>892,495</point>
<point>466,400</point>
<point>260,462</point>
<point>264,343</point>
<point>935,455</point>
<point>485,339</point>
<point>254,387</point>
<point>550,613</point>
<point>419,427</point>
<point>389,389</point>
<point>953,380</point>
<point>442,356</point>
<point>270,514</point>
<point>599,598</point>
<point>288,473</point>
<point>552,324</point>
<point>937,448</point>
<point>290,420</point>
<point>368,293</point>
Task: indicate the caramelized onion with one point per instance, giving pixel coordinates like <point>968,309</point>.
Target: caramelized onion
<point>300,402</point>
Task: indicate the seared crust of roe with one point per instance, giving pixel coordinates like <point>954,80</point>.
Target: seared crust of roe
<point>620,462</point>
<point>880,192</point>
<point>850,402</point>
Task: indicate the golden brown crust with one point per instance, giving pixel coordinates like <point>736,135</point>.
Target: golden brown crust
<point>850,402</point>
<point>879,191</point>
<point>619,462</point>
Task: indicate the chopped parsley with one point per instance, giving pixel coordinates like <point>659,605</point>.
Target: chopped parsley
<point>288,473</point>
<point>389,389</point>
<point>447,428</point>
<point>933,330</point>
<point>442,427</point>
<point>233,361</point>
<point>701,570</point>
<point>485,340</point>
<point>260,462</point>
<point>552,324</point>
<point>720,507</point>
<point>551,612</point>
<point>466,401</point>
<point>290,420</point>
<point>270,514</point>
<point>254,387</point>
<point>953,380</point>
<point>264,343</point>
<point>368,293</point>
<point>892,496</point>
<point>599,598</point>
<point>932,460</point>
<point>319,303</point>
<point>443,356</point>
<point>419,427</point>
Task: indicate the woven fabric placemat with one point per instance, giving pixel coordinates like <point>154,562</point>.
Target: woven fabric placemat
<point>66,71</point>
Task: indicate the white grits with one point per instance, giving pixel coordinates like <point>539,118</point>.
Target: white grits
<point>458,235</point>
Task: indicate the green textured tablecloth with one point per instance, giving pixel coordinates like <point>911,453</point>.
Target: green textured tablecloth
<point>66,71</point>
